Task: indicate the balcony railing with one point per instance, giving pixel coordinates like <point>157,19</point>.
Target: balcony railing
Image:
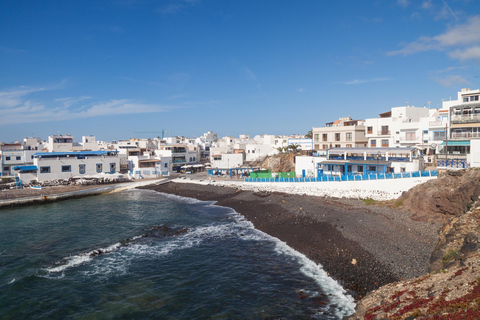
<point>384,133</point>
<point>463,135</point>
<point>466,118</point>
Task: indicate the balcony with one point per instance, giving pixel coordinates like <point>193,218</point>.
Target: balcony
<point>384,133</point>
<point>465,135</point>
<point>466,118</point>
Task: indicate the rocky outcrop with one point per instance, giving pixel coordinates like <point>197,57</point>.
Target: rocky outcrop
<point>452,194</point>
<point>452,288</point>
<point>283,162</point>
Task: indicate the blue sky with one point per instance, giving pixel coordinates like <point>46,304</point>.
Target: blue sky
<point>116,68</point>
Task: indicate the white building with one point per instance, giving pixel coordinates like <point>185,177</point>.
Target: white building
<point>306,167</point>
<point>303,144</point>
<point>65,165</point>
<point>227,160</point>
<point>147,166</point>
<point>341,161</point>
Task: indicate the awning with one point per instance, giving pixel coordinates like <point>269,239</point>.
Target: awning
<point>454,143</point>
<point>25,168</point>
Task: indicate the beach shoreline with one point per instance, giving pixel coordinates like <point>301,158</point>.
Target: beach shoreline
<point>363,247</point>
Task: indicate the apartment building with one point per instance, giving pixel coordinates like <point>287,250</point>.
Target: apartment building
<point>342,133</point>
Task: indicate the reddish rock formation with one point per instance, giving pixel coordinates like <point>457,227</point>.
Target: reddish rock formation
<point>453,193</point>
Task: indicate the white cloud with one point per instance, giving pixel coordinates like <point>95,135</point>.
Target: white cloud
<point>248,73</point>
<point>361,81</point>
<point>452,80</point>
<point>467,54</point>
<point>462,38</point>
<point>403,3</point>
<point>427,4</point>
<point>16,106</point>
<point>176,6</point>
<point>302,90</point>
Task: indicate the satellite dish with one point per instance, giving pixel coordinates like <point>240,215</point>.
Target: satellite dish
<point>433,145</point>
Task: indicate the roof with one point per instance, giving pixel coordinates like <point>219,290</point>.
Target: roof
<point>150,160</point>
<point>73,153</point>
<point>25,168</point>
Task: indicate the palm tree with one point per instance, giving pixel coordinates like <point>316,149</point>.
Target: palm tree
<point>294,147</point>
<point>309,135</point>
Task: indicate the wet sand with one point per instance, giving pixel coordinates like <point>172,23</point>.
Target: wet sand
<point>363,247</point>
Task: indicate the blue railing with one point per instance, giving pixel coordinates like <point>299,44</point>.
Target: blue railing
<point>453,163</point>
<point>351,177</point>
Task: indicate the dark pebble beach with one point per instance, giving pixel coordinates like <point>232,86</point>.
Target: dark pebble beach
<point>362,246</point>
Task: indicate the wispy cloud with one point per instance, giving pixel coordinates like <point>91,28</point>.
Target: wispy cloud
<point>10,50</point>
<point>150,83</point>
<point>452,80</point>
<point>176,6</point>
<point>248,73</point>
<point>17,106</point>
<point>460,42</point>
<point>362,81</point>
<point>301,90</point>
<point>403,3</point>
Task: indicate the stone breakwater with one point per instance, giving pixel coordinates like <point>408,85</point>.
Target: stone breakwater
<point>379,190</point>
<point>29,196</point>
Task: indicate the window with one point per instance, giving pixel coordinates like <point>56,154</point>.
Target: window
<point>113,167</point>
<point>373,143</point>
<point>217,157</point>
<point>473,98</point>
<point>99,167</point>
<point>425,131</point>
<point>7,158</point>
<point>66,168</point>
<point>385,143</point>
<point>348,146</point>
<point>81,168</point>
<point>349,136</point>
<point>325,146</point>
<point>337,146</point>
<point>5,169</point>
<point>410,136</point>
<point>465,99</point>
<point>324,137</point>
<point>44,169</point>
<point>19,158</point>
<point>385,130</point>
<point>337,136</point>
<point>166,165</point>
<point>194,159</point>
<point>316,137</point>
<point>439,135</point>
<point>369,130</point>
<point>316,147</point>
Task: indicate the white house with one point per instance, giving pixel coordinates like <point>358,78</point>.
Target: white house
<point>341,161</point>
<point>227,160</point>
<point>307,166</point>
<point>147,166</point>
<point>65,165</point>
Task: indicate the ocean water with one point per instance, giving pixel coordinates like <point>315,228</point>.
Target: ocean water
<point>139,254</point>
